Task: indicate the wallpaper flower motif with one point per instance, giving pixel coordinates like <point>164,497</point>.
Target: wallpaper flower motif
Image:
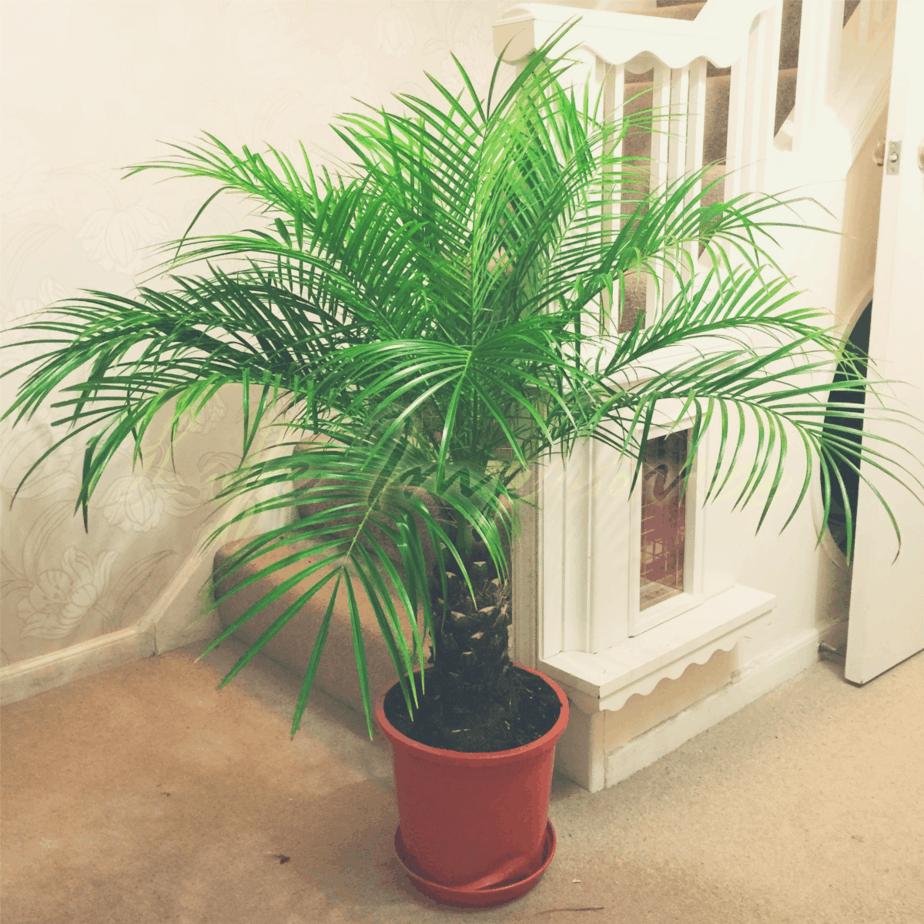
<point>61,597</point>
<point>49,291</point>
<point>394,33</point>
<point>23,172</point>
<point>137,503</point>
<point>116,237</point>
<point>22,447</point>
<point>88,89</point>
<point>259,34</point>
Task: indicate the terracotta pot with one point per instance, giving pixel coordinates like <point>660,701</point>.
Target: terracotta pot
<point>474,827</point>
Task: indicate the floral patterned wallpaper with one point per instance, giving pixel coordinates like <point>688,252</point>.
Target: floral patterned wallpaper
<point>88,87</point>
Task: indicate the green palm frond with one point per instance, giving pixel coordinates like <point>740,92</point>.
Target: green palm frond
<point>433,314</point>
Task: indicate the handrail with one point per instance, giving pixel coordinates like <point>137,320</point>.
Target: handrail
<point>717,34</point>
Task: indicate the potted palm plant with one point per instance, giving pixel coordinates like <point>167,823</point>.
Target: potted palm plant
<point>429,325</point>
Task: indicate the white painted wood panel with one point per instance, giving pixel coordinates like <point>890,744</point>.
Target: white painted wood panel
<point>887,599</point>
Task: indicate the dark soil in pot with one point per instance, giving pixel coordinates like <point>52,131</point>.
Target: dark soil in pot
<point>479,725</point>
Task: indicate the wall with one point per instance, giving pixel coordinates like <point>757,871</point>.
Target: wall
<point>88,88</point>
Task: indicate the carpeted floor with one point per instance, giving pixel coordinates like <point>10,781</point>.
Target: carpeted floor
<point>141,795</point>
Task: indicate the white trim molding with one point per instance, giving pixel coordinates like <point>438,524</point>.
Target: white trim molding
<point>606,680</point>
<point>718,33</point>
<point>582,756</point>
<point>36,675</point>
<point>749,683</point>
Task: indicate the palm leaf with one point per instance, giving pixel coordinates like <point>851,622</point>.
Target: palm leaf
<point>434,311</point>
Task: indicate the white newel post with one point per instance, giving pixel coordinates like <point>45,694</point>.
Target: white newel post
<point>763,78</point>
<point>819,60</point>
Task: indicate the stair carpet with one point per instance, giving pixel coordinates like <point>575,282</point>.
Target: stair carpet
<point>292,646</point>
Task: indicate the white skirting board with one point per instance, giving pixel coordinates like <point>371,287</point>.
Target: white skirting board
<point>35,675</point>
<point>751,681</point>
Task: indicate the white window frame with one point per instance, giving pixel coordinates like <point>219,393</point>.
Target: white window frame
<point>588,550</point>
<point>571,605</point>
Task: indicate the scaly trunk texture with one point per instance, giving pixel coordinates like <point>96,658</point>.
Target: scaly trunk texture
<point>476,700</point>
<point>475,689</point>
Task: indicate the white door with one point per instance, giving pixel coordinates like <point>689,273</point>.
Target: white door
<point>887,599</point>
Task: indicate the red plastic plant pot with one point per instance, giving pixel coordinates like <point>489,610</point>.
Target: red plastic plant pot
<point>474,824</point>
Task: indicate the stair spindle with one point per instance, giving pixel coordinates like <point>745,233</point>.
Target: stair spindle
<point>696,132</point>
<point>660,151</point>
<point>614,90</point>
<point>764,76</point>
<point>677,151</point>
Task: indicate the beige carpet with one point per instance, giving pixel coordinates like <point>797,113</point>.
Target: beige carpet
<point>143,795</point>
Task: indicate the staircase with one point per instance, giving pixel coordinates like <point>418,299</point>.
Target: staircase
<point>718,79</point>
<point>638,95</point>
<point>735,127</point>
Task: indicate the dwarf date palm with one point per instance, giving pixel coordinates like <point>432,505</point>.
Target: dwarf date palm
<point>430,323</point>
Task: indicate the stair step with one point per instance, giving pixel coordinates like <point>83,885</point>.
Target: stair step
<point>293,645</point>
<point>680,10</point>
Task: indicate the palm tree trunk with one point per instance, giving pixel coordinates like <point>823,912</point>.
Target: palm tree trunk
<point>474,689</point>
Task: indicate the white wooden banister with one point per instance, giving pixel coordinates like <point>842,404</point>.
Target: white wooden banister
<point>741,34</point>
<point>620,38</point>
<point>746,36</point>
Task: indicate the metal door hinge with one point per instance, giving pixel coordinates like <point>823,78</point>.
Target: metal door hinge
<point>894,160</point>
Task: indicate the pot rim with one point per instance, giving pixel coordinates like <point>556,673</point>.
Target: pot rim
<point>447,756</point>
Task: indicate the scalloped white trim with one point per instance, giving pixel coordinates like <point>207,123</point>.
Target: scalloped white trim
<point>756,679</point>
<point>606,680</point>
<point>618,38</point>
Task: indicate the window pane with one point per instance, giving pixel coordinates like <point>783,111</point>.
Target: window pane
<point>663,516</point>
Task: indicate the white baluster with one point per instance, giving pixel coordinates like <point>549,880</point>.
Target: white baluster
<point>677,142</point>
<point>696,121</point>
<point>737,120</point>
<point>696,133</point>
<point>613,96</point>
<point>677,151</point>
<point>660,139</point>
